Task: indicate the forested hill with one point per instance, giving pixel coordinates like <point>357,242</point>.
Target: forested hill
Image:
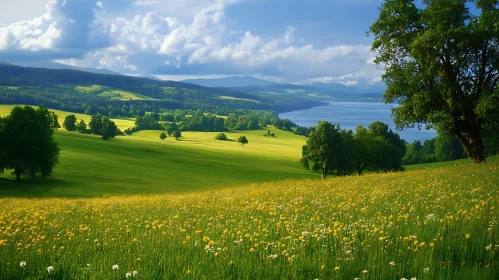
<point>80,91</point>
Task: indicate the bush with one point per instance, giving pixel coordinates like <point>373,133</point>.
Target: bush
<point>221,136</point>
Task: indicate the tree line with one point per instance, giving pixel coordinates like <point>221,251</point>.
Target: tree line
<point>329,149</point>
<point>98,125</point>
<point>199,120</point>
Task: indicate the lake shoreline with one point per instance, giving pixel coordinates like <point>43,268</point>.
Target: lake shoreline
<point>351,114</point>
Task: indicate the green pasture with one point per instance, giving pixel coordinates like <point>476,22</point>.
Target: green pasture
<point>122,123</point>
<point>110,92</point>
<point>143,164</point>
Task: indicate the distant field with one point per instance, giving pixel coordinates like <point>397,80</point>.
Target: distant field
<point>235,98</point>
<point>143,164</point>
<point>439,223</point>
<point>110,92</point>
<point>9,87</point>
<point>121,123</point>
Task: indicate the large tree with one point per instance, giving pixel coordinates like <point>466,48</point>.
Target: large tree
<point>70,123</point>
<point>441,60</point>
<point>323,150</point>
<point>26,143</point>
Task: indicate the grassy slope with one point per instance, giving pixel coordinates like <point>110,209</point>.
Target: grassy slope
<point>142,163</point>
<point>110,92</point>
<point>121,123</point>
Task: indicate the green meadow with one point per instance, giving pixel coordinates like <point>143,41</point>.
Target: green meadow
<point>143,164</point>
<point>110,92</point>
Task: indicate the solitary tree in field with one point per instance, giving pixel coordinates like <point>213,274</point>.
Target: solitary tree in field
<point>162,136</point>
<point>26,143</point>
<point>441,63</point>
<point>221,136</point>
<point>243,140</point>
<point>177,134</point>
<point>70,123</point>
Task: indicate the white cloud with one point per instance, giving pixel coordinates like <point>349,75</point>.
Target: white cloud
<point>33,35</point>
<point>162,39</point>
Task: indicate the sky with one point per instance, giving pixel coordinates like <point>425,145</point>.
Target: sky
<point>295,41</point>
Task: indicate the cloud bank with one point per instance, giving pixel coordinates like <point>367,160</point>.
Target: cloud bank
<point>200,41</point>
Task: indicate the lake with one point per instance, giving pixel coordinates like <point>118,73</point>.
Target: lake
<point>351,114</point>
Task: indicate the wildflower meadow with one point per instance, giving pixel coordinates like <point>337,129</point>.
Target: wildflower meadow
<point>439,223</point>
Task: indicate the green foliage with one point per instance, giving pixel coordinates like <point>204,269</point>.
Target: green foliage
<point>243,140</point>
<point>100,125</point>
<point>70,123</point>
<point>82,127</point>
<point>323,148</point>
<point>177,134</point>
<point>221,136</point>
<point>26,143</point>
<point>147,122</point>
<point>442,148</point>
<point>162,136</point>
<point>441,66</point>
<point>375,149</point>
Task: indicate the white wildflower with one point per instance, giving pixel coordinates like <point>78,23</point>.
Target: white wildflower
<point>426,270</point>
<point>50,268</point>
<point>22,264</point>
<point>128,275</point>
<point>392,263</point>
<point>272,257</point>
<point>135,272</point>
<point>488,248</point>
<point>115,267</point>
<point>364,271</point>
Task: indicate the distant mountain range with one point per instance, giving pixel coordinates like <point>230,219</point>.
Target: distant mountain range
<point>315,91</point>
<point>235,81</point>
<point>58,66</point>
<point>253,85</point>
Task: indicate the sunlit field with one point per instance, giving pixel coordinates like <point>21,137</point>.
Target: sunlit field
<point>427,224</point>
<point>121,123</point>
<point>143,164</point>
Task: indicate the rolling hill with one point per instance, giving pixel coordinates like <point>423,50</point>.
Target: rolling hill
<point>57,88</point>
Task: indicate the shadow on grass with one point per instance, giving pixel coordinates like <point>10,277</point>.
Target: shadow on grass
<point>36,187</point>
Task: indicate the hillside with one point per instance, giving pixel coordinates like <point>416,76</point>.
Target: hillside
<point>314,91</point>
<point>58,89</point>
<point>438,223</point>
<point>142,163</point>
<point>235,81</point>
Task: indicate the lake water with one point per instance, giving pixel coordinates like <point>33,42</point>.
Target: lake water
<point>351,114</point>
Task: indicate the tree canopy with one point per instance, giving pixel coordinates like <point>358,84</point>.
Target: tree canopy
<point>26,143</point>
<point>441,60</point>
<point>329,149</point>
<point>70,123</point>
<point>243,140</point>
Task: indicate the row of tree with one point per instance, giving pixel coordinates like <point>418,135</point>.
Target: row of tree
<point>444,147</point>
<point>330,149</point>
<point>198,120</point>
<point>98,125</point>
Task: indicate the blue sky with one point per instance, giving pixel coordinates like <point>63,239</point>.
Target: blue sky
<point>282,40</point>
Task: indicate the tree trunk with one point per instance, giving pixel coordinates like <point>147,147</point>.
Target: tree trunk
<point>324,173</point>
<point>473,147</point>
<point>18,175</point>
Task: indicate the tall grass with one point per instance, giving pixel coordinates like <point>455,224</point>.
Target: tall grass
<point>429,224</point>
